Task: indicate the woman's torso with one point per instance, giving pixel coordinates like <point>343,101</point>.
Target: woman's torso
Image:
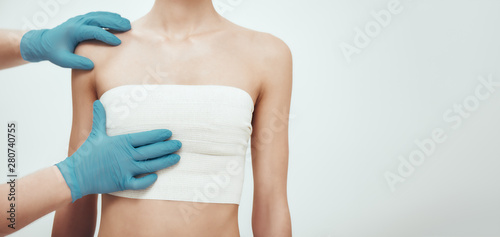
<point>219,58</point>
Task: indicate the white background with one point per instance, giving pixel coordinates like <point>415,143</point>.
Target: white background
<point>350,121</point>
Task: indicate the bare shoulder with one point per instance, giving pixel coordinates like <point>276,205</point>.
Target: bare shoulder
<point>273,52</point>
<point>270,46</point>
<point>108,61</point>
<point>92,49</point>
<point>261,44</point>
<point>270,55</point>
<point>101,53</point>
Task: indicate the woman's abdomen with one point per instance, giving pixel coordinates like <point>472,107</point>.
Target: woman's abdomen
<point>143,217</point>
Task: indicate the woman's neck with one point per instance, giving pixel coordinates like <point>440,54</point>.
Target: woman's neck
<point>179,19</point>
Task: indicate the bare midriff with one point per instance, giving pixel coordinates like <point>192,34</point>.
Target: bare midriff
<point>144,217</point>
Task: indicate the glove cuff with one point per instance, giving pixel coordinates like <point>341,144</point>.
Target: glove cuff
<point>68,172</point>
<point>31,46</point>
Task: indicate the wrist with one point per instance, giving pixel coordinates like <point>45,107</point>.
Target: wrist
<point>67,171</point>
<point>64,189</point>
<point>15,40</point>
<point>30,47</point>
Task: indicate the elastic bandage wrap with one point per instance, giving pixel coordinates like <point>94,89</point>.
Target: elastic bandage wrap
<point>212,122</point>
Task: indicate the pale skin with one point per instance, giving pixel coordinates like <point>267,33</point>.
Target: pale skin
<point>37,199</point>
<point>10,53</point>
<point>41,192</point>
<point>188,43</point>
<point>35,196</point>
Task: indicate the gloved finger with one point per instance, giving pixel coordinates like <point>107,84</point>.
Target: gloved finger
<point>99,118</point>
<point>70,60</point>
<point>153,165</point>
<point>109,20</point>
<point>97,33</point>
<point>156,150</point>
<point>142,182</point>
<point>149,137</point>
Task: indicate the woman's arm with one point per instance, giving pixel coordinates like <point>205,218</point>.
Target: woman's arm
<point>36,195</point>
<point>79,218</point>
<point>271,216</point>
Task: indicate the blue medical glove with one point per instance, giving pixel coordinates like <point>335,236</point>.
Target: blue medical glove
<point>57,45</point>
<point>105,164</point>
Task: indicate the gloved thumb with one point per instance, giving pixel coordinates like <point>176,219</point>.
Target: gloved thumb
<point>99,118</point>
<point>142,182</point>
<point>70,60</point>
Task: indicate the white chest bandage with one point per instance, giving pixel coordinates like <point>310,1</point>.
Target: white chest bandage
<point>212,122</point>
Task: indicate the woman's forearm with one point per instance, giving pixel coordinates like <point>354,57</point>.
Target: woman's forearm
<point>10,53</point>
<point>32,197</point>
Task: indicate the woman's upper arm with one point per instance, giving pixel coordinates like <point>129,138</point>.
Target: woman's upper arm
<point>79,218</point>
<point>270,137</point>
<point>84,94</point>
